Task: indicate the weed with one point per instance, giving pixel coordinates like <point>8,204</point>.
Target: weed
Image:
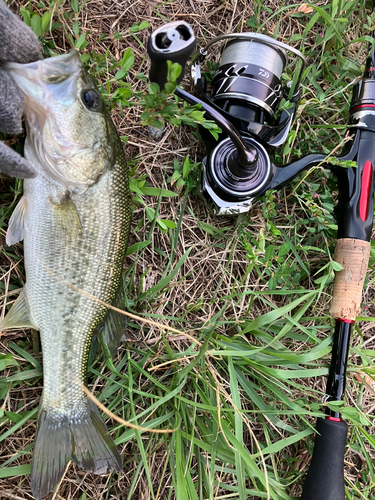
<point>243,380</point>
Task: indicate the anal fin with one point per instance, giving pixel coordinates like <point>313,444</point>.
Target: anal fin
<point>19,315</point>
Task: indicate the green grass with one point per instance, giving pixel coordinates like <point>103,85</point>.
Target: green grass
<point>243,382</point>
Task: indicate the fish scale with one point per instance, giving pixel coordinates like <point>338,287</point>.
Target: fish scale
<point>74,218</point>
<point>100,251</point>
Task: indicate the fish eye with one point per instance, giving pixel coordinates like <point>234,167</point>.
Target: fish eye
<point>91,99</point>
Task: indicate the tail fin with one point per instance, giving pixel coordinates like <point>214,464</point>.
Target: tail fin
<point>82,438</point>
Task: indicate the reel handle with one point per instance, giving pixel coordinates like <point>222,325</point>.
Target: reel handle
<point>173,42</point>
<point>325,478</point>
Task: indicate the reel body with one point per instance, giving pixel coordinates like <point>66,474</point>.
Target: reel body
<point>244,100</point>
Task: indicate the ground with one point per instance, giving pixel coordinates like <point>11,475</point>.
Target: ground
<point>243,375</point>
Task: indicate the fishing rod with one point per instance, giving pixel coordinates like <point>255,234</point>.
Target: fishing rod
<point>244,101</point>
<point>354,213</point>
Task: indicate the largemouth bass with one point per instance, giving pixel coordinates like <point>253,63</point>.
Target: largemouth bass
<point>74,218</point>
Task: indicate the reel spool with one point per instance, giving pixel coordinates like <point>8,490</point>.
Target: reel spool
<point>249,89</point>
<point>247,86</point>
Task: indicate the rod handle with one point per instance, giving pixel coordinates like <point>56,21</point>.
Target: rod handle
<point>325,478</point>
<point>353,255</point>
<point>173,42</point>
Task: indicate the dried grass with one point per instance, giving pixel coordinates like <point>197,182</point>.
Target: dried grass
<point>209,271</point>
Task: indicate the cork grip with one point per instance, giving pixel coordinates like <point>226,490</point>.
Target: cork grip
<point>353,255</point>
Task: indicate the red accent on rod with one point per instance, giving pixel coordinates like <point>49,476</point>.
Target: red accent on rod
<point>334,419</point>
<point>345,320</point>
<point>364,106</point>
<point>365,190</point>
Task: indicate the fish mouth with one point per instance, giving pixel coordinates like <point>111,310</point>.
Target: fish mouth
<point>44,82</point>
<point>38,79</point>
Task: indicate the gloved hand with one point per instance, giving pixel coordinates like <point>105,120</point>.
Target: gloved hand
<point>17,44</point>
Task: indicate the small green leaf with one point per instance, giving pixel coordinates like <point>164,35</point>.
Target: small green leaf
<point>174,71</point>
<point>272,284</point>
<point>46,21</point>
<point>284,249</point>
<point>123,93</point>
<point>162,226</point>
<point>75,6</point>
<point>185,167</point>
<point>120,74</point>
<point>324,280</point>
<point>26,15</point>
<point>153,88</point>
<point>15,417</point>
<point>150,213</point>
<point>36,24</point>
<point>168,223</point>
<point>136,28</point>
<point>85,58</point>
<point>137,246</point>
<point>81,42</point>
<point>7,360</point>
<point>170,87</point>
<point>336,266</point>
<point>269,252</point>
<point>127,59</point>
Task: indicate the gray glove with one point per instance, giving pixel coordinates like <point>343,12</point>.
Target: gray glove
<point>17,44</point>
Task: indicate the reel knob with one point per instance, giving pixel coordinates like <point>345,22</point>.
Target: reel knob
<point>172,42</point>
<point>236,168</point>
<point>230,187</point>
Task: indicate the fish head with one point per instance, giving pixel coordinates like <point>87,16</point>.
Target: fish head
<point>69,131</point>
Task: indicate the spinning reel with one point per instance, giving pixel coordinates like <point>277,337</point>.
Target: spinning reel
<point>244,100</point>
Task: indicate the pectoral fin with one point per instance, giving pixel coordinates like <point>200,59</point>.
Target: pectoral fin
<point>19,315</point>
<point>16,226</point>
<point>114,327</point>
<point>66,216</point>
